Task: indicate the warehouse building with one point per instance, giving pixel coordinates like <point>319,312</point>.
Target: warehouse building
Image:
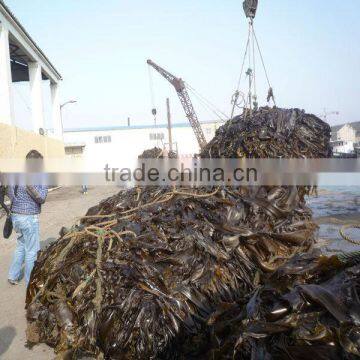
<point>121,145</point>
<point>21,60</point>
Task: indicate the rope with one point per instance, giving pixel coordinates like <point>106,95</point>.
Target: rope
<point>83,284</point>
<point>138,192</point>
<point>112,240</point>
<point>168,197</point>
<point>95,216</point>
<point>106,224</point>
<point>261,57</point>
<point>98,281</point>
<point>250,81</point>
<point>207,103</point>
<point>196,195</point>
<point>250,47</point>
<point>235,96</point>
<point>206,100</point>
<point>243,63</point>
<point>155,202</point>
<point>99,253</point>
<point>254,64</point>
<point>100,239</point>
<point>63,254</point>
<point>65,251</point>
<point>346,237</point>
<point>160,200</point>
<point>262,61</point>
<point>101,235</point>
<point>247,101</point>
<point>151,87</point>
<point>152,95</point>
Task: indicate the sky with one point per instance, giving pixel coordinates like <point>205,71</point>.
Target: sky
<point>311,50</point>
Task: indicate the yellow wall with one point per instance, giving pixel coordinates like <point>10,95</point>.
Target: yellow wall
<point>16,143</point>
<point>347,133</point>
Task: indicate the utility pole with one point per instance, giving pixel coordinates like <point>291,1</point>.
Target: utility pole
<point>169,123</point>
<point>61,114</point>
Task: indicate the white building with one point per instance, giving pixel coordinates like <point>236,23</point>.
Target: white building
<point>21,60</point>
<point>346,132</point>
<point>345,137</point>
<point>342,147</point>
<point>120,146</point>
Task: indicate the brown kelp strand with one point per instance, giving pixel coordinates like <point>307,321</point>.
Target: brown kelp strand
<point>147,271</point>
<point>308,309</point>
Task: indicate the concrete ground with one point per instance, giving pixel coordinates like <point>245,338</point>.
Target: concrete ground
<point>62,208</point>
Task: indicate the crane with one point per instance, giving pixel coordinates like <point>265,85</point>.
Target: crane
<point>250,101</point>
<point>185,100</point>
<point>326,113</point>
<point>250,8</point>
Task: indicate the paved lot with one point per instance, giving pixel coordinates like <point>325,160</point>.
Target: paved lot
<point>61,209</point>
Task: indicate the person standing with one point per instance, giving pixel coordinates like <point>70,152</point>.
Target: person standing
<point>26,204</point>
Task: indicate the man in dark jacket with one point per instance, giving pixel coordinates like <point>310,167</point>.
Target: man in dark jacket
<point>26,204</point>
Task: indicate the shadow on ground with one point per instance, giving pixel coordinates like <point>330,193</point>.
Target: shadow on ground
<point>7,335</point>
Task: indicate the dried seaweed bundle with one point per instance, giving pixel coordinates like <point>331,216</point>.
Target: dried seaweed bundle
<point>308,309</point>
<point>147,268</point>
<point>271,133</point>
<point>157,153</point>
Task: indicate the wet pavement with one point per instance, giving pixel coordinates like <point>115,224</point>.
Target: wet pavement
<point>333,208</point>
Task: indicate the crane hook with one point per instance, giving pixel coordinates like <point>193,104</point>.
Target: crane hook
<point>250,7</point>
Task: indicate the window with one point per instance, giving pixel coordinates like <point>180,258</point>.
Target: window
<point>156,136</point>
<point>102,139</point>
<point>74,150</point>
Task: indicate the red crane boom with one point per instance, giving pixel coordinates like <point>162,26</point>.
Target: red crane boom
<point>184,97</point>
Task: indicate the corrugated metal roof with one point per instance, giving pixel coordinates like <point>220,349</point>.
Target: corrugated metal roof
<point>136,127</point>
<point>355,125</point>
<point>7,13</point>
<point>337,127</point>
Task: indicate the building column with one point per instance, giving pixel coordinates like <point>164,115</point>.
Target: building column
<point>6,104</point>
<point>56,111</point>
<point>37,110</point>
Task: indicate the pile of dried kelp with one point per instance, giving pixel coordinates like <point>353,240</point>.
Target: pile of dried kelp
<point>271,133</point>
<point>148,267</point>
<point>308,309</point>
<point>157,153</point>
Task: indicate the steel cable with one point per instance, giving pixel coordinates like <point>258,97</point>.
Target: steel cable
<point>262,61</point>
